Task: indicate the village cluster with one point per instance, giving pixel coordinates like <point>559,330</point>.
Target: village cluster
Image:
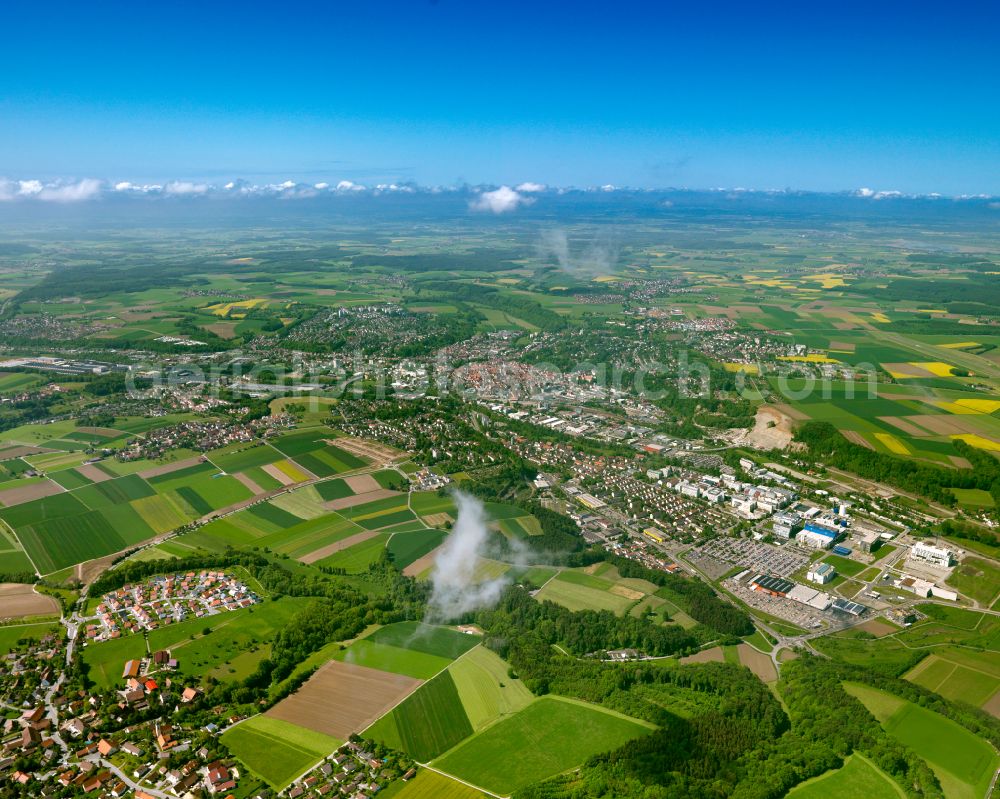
<point>167,599</point>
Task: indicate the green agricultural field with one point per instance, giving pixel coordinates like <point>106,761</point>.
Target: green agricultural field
<point>408,662</point>
<point>959,674</point>
<point>963,762</point>
<point>427,503</point>
<point>240,457</point>
<point>575,593</point>
<point>431,785</point>
<point>334,489</point>
<point>548,737</point>
<point>430,639</point>
<point>974,498</point>
<point>427,723</point>
<point>275,750</point>
<point>70,479</point>
<point>976,578</point>
<point>305,503</point>
<point>114,492</point>
<point>487,690</point>
<point>358,557</point>
<point>857,777</point>
<point>406,548</point>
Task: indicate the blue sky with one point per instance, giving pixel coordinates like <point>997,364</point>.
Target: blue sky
<point>813,95</point>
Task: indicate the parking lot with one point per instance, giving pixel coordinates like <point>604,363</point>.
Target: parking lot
<point>756,555</point>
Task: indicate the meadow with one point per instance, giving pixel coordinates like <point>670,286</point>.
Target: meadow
<point>857,777</point>
<point>963,762</point>
<point>275,750</point>
<point>548,737</point>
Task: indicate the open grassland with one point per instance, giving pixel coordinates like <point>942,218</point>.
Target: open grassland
<point>427,638</point>
<point>977,578</point>
<point>857,777</point>
<point>427,723</point>
<point>487,691</point>
<point>407,548</point>
<point>549,736</point>
<point>578,591</point>
<point>341,699</point>
<point>275,750</point>
<point>963,762</point>
<point>11,635</point>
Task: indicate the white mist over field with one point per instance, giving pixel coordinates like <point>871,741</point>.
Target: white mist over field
<point>598,257</point>
<point>455,589</point>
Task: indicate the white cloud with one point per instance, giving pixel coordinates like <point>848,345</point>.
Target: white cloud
<point>350,185</point>
<point>500,201</point>
<point>321,186</point>
<point>181,188</point>
<point>865,192</point>
<point>530,188</point>
<point>86,189</point>
<point>29,188</point>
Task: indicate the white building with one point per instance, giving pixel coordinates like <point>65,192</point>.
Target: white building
<point>821,573</point>
<point>928,553</point>
<point>816,537</point>
<point>786,524</point>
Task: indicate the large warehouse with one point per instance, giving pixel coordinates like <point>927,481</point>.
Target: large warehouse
<point>812,535</point>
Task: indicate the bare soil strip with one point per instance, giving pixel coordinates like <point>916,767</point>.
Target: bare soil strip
<point>21,452</point>
<point>856,438</point>
<point>905,425</point>
<point>337,546</point>
<point>166,468</point>
<point>362,483</point>
<point>15,496</point>
<point>877,628</point>
<point>713,655</point>
<point>277,474</point>
<point>359,499</point>
<point>249,483</point>
<point>421,564</point>
<point>341,699</point>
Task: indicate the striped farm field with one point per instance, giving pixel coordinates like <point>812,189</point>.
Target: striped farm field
<point>304,502</point>
<point>235,459</point>
<point>431,785</point>
<point>114,492</point>
<point>427,723</point>
<point>487,691</point>
<point>159,513</point>
<point>358,557</point>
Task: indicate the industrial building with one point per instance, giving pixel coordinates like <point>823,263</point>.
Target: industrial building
<point>775,586</point>
<point>812,535</point>
<point>868,542</point>
<point>786,524</point>
<point>821,573</point>
<point>847,606</point>
<point>811,597</point>
<point>928,553</point>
